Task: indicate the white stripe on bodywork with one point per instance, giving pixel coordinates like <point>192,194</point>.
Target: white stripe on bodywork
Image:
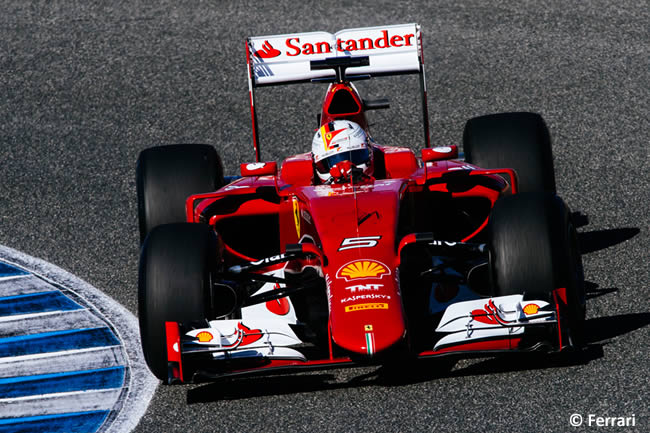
<point>259,312</point>
<point>267,352</point>
<point>458,317</point>
<point>226,333</point>
<point>476,335</point>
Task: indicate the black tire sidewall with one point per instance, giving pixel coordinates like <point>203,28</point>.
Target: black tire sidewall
<point>534,250</point>
<point>175,276</point>
<point>518,140</point>
<point>167,175</point>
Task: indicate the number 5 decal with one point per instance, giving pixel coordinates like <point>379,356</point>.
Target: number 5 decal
<point>361,242</point>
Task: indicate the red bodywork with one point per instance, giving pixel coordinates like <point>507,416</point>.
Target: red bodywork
<point>358,228</point>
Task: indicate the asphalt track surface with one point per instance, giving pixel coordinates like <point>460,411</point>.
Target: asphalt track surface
<point>84,87</point>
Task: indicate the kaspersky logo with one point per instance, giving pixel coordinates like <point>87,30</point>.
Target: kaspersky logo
<point>362,269</point>
<point>295,48</point>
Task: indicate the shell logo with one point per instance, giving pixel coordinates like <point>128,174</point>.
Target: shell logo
<point>362,269</point>
<point>531,309</point>
<point>204,337</point>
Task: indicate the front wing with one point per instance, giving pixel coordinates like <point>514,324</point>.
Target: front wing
<point>262,345</point>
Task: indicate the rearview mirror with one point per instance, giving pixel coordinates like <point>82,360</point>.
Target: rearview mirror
<point>259,168</point>
<point>439,153</point>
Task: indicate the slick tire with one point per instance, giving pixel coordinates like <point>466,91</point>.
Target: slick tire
<point>534,250</point>
<point>174,284</point>
<point>512,140</point>
<point>167,175</point>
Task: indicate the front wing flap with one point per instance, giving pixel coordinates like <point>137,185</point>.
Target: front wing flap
<point>232,338</point>
<point>230,347</point>
<point>502,318</point>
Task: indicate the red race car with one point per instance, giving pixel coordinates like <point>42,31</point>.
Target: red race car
<point>354,253</point>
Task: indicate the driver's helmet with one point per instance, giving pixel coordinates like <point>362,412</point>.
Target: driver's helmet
<point>340,140</point>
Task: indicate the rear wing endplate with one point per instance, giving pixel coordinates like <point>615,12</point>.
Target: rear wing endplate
<point>286,59</point>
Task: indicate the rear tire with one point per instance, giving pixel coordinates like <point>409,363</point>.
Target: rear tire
<point>534,250</point>
<point>512,140</point>
<point>167,175</point>
<point>174,284</point>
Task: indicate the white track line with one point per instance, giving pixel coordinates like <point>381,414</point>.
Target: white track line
<point>24,358</point>
<point>14,277</point>
<point>59,362</point>
<point>63,402</point>
<point>35,323</point>
<point>41,315</point>
<point>23,286</point>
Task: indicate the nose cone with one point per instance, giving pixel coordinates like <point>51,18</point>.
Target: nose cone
<point>369,326</point>
<point>356,227</point>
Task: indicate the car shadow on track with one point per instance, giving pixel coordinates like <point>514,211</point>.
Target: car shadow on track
<point>599,330</point>
<point>239,388</point>
<point>592,290</point>
<point>494,365</point>
<point>602,329</point>
<point>600,239</point>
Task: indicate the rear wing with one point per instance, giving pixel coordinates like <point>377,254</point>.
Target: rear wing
<point>286,59</point>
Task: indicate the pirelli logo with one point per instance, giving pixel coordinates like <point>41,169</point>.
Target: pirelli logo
<point>362,307</point>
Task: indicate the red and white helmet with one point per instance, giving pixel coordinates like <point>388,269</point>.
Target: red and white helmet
<point>337,141</point>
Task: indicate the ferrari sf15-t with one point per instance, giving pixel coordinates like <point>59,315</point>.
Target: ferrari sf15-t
<point>436,254</point>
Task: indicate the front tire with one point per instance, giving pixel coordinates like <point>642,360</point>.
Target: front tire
<point>167,175</point>
<point>512,140</point>
<point>534,250</point>
<point>174,284</point>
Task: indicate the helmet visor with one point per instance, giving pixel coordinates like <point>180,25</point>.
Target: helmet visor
<point>356,157</point>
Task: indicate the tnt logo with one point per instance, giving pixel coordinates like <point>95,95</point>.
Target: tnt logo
<point>364,287</point>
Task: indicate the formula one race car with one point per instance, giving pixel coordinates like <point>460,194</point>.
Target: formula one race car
<point>426,255</point>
